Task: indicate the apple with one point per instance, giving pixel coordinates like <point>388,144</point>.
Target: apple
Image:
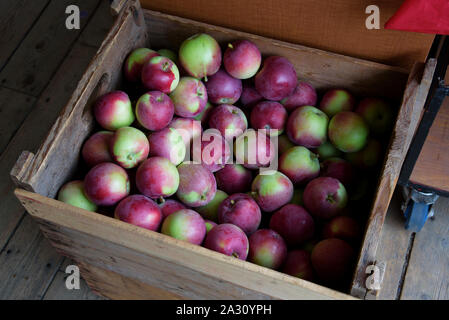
<point>369,157</point>
<point>249,97</point>
<point>210,210</point>
<point>223,89</point>
<point>168,206</point>
<point>135,61</point>
<point>304,95</point>
<point>269,115</point>
<point>299,164</point>
<point>229,120</point>
<point>241,210</point>
<point>113,110</point>
<point>96,149</point>
<point>129,147</point>
<point>167,143</point>
<point>342,227</point>
<point>200,55</point>
<point>339,169</point>
<point>335,101</point>
<point>378,115</point>
<point>139,211</point>
<point>186,225</point>
<point>106,184</point>
<point>267,249</point>
<point>234,178</point>
<point>160,74</point>
<point>168,54</point>
<point>189,98</point>
<point>307,126</point>
<point>298,264</point>
<point>298,197</point>
<point>325,197</point>
<point>242,59</point>
<point>214,151</point>
<point>189,129</point>
<point>284,143</point>
<point>154,110</point>
<point>73,193</point>
<point>272,190</point>
<point>293,223</point>
<point>277,79</point>
<point>254,149</point>
<point>327,150</point>
<point>348,131</point>
<point>209,225</point>
<point>157,177</point>
<point>197,185</point>
<point>203,116</point>
<point>332,260</point>
<point>228,239</point>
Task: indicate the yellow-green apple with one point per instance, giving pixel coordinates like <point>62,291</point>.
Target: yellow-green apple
<point>304,95</point>
<point>129,147</point>
<point>307,126</point>
<point>284,143</point>
<point>269,115</point>
<point>272,190</point>
<point>228,239</point>
<point>241,210</point>
<point>154,110</point>
<point>160,74</point>
<point>298,197</point>
<point>197,185</point>
<point>267,249</point>
<point>277,79</point>
<point>369,157</point>
<point>186,225</point>
<point>139,211</point>
<point>327,150</point>
<point>113,110</point>
<point>299,164</point>
<point>157,178</point>
<point>200,55</point>
<point>74,194</point>
<point>377,114</point>
<point>168,54</point>
<point>96,149</point>
<point>293,223</point>
<point>335,101</point>
<point>229,120</point>
<point>242,59</point>
<point>325,197</point>
<point>167,143</point>
<point>106,184</point>
<point>210,210</point>
<point>348,132</point>
<point>135,61</point>
<point>223,89</point>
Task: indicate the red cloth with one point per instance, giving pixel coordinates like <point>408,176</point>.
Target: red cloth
<point>427,16</point>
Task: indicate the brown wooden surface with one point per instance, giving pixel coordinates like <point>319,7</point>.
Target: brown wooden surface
<point>431,168</point>
<point>332,25</point>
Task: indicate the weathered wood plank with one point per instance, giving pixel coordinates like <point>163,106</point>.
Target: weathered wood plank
<point>28,263</point>
<point>14,107</point>
<point>97,29</point>
<point>427,275</point>
<point>59,291</point>
<point>44,48</point>
<point>393,250</point>
<point>17,17</point>
<point>35,128</point>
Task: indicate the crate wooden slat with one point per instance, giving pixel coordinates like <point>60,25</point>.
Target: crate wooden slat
<point>153,260</point>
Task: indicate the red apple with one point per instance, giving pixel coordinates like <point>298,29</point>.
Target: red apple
<point>186,225</point>
<point>214,151</point>
<point>293,223</point>
<point>154,110</point>
<point>139,211</point>
<point>249,97</point>
<point>229,120</point>
<point>298,264</point>
<point>269,115</point>
<point>254,149</point>
<point>307,126</point>
<point>229,240</point>
<point>135,61</point>
<point>342,227</point>
<point>277,79</point>
<point>189,97</point>
<point>242,59</point>
<point>129,147</point>
<point>197,185</point>
<point>167,143</point>
<point>299,164</point>
<point>169,206</point>
<point>96,149</point>
<point>267,249</point>
<point>160,74</point>
<point>241,210</point>
<point>272,190</point>
<point>223,89</point>
<point>339,169</point>
<point>189,129</point>
<point>335,101</point>
<point>234,178</point>
<point>106,184</point>
<point>304,95</point>
<point>113,110</point>
<point>157,177</point>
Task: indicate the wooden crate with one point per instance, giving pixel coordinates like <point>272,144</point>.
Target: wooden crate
<point>119,260</point>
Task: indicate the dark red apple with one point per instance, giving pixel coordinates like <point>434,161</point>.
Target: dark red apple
<point>223,89</point>
<point>267,249</point>
<point>160,74</point>
<point>139,211</point>
<point>96,149</point>
<point>234,178</point>
<point>229,120</point>
<point>157,177</point>
<point>342,227</point>
<point>241,210</point>
<point>169,206</point>
<point>154,110</point>
<point>229,240</point>
<point>135,61</point>
<point>186,225</point>
<point>269,115</point>
<point>298,264</point>
<point>304,95</point>
<point>339,169</point>
<point>242,59</point>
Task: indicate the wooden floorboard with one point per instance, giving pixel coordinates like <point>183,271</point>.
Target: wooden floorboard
<point>44,48</point>
<point>17,18</point>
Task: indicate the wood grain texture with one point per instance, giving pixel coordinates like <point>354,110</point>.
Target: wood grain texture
<point>28,263</point>
<point>427,275</point>
<point>17,17</point>
<point>98,28</point>
<point>14,107</point>
<point>160,260</point>
<point>332,25</point>
<point>322,69</point>
<point>407,122</point>
<point>393,250</point>
<point>44,48</point>
<point>58,290</point>
<point>431,168</point>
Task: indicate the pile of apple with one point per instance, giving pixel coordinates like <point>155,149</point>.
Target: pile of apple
<point>303,218</point>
